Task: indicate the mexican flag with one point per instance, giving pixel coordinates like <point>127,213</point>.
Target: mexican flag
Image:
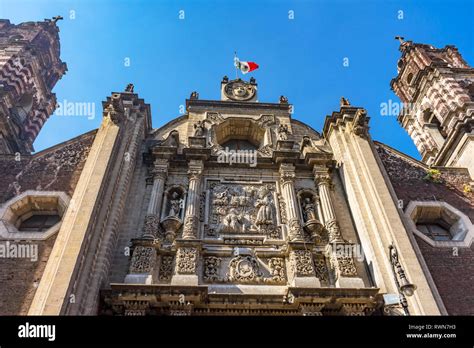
<point>245,67</point>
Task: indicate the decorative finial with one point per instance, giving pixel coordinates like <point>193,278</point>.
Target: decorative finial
<point>129,88</point>
<point>344,102</point>
<point>283,100</point>
<point>194,95</point>
<point>57,18</point>
<point>225,79</point>
<point>400,38</point>
<point>252,80</point>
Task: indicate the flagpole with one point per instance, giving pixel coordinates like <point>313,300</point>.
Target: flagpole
<point>236,69</point>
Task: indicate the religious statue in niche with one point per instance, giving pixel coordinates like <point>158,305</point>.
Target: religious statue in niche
<point>310,215</point>
<point>309,209</point>
<point>242,209</point>
<point>173,212</point>
<point>176,204</point>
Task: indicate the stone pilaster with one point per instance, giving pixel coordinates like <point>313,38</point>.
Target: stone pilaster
<point>152,219</point>
<point>287,178</point>
<point>323,181</point>
<point>191,220</point>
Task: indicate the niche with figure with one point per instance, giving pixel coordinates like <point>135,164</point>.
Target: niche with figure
<point>311,212</point>
<point>172,214</point>
<point>174,202</point>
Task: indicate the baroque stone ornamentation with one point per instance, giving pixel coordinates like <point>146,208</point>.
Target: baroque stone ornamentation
<point>321,268</point>
<point>334,232</point>
<point>277,270</point>
<point>295,230</point>
<point>282,206</point>
<point>242,209</point>
<point>283,132</point>
<point>239,90</point>
<point>166,268</point>
<point>212,266</point>
<point>143,259</point>
<point>347,267</point>
<point>244,269</point>
<point>190,227</point>
<point>302,263</point>
<point>151,226</point>
<point>186,260</point>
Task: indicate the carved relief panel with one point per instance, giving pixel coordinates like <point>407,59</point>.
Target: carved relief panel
<point>242,208</point>
<point>244,268</point>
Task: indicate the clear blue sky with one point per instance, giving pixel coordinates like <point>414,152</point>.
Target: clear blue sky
<point>300,58</point>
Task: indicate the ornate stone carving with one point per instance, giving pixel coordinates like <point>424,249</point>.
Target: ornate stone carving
<point>135,308</point>
<point>202,206</point>
<point>287,175</point>
<point>166,268</point>
<point>244,269</point>
<point>212,266</point>
<point>282,206</point>
<point>347,267</point>
<point>190,227</point>
<point>277,270</point>
<point>334,232</point>
<point>295,230</point>
<point>242,209</point>
<point>151,226</point>
<point>283,132</point>
<point>239,90</point>
<point>243,241</point>
<point>302,263</point>
<point>186,260</point>
<point>214,117</point>
<point>322,178</point>
<point>143,259</point>
<point>342,265</point>
<point>199,129</point>
<point>321,268</point>
<point>266,120</point>
<point>360,126</point>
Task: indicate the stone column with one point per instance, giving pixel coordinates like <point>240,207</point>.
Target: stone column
<point>191,220</point>
<point>287,178</point>
<point>323,180</point>
<point>152,219</point>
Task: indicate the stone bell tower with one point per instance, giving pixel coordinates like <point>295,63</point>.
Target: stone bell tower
<point>436,86</point>
<point>30,67</point>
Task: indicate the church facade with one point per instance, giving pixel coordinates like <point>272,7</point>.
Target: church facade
<point>235,207</point>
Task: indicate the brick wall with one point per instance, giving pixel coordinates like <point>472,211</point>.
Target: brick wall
<point>54,169</point>
<point>452,270</point>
